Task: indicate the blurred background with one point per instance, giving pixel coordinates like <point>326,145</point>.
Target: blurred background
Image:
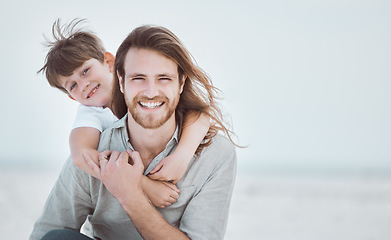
<point>304,83</point>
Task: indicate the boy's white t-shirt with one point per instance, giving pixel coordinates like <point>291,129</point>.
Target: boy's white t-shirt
<point>95,117</point>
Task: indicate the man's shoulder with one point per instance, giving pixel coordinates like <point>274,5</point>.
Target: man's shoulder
<point>221,149</point>
<point>216,161</point>
<point>118,124</point>
<point>113,135</point>
<point>221,142</point>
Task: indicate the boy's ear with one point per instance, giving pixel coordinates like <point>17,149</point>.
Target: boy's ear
<point>69,95</point>
<point>121,88</point>
<point>109,59</point>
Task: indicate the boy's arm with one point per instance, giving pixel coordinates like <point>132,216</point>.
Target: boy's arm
<point>160,194</point>
<point>174,166</point>
<point>84,140</point>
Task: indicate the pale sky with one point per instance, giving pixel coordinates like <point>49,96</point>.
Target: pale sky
<point>306,83</point>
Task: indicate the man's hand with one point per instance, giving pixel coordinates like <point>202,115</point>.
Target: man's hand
<point>121,173</point>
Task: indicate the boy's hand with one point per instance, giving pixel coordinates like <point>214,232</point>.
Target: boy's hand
<point>161,194</point>
<point>170,169</point>
<point>92,161</point>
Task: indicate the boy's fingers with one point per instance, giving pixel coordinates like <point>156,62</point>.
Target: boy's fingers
<point>91,163</point>
<point>172,186</point>
<point>157,168</point>
<point>161,176</point>
<point>155,176</point>
<point>174,196</point>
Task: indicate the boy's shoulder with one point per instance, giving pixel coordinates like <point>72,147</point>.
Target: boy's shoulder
<point>89,109</point>
<point>95,117</point>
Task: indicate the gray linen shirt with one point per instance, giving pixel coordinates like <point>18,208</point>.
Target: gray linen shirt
<point>201,210</point>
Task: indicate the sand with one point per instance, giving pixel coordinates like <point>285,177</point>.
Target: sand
<point>264,206</point>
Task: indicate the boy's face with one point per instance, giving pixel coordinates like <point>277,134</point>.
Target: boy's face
<point>151,87</point>
<point>91,83</point>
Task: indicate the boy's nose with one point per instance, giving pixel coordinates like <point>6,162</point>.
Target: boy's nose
<point>85,85</point>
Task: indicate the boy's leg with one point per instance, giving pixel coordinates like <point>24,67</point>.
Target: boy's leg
<point>64,234</point>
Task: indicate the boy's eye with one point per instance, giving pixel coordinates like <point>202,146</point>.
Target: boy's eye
<point>73,86</point>
<point>85,71</point>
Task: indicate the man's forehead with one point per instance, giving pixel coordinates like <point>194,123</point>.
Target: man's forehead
<point>146,62</point>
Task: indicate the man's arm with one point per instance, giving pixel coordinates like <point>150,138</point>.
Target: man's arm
<point>123,180</point>
<point>67,205</point>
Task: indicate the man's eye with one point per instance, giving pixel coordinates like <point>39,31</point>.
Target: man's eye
<point>138,78</point>
<point>164,79</point>
<point>85,71</point>
<point>73,86</point>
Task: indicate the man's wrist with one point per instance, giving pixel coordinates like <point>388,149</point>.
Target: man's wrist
<point>137,200</point>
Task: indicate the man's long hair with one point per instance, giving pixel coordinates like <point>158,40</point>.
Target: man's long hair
<point>198,96</point>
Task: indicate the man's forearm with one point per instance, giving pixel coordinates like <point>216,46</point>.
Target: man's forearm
<point>148,221</point>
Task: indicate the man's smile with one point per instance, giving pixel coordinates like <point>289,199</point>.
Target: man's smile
<point>151,104</point>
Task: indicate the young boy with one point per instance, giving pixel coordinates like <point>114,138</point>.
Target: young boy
<point>78,65</point>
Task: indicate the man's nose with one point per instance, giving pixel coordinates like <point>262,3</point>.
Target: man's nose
<point>151,89</point>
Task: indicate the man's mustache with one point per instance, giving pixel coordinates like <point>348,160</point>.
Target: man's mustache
<point>159,98</point>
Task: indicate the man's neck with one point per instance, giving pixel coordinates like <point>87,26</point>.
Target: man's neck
<point>150,142</point>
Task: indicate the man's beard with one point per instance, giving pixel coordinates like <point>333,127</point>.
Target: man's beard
<point>151,120</point>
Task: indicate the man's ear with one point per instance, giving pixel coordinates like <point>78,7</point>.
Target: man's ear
<point>121,88</point>
<point>183,84</point>
<point>69,95</point>
<point>109,59</point>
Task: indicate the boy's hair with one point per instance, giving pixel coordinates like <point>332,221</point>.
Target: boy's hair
<point>71,47</point>
<point>198,96</point>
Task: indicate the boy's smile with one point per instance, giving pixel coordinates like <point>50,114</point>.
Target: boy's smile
<point>93,91</point>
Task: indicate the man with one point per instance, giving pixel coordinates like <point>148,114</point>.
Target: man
<point>156,84</point>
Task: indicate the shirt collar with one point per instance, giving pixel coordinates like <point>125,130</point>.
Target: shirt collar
<point>121,125</point>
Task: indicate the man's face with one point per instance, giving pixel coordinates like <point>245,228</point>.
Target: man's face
<point>151,87</point>
<point>91,83</point>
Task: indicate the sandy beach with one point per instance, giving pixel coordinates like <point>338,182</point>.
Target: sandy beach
<point>264,206</point>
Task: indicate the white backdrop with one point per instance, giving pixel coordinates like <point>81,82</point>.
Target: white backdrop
<point>306,83</point>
